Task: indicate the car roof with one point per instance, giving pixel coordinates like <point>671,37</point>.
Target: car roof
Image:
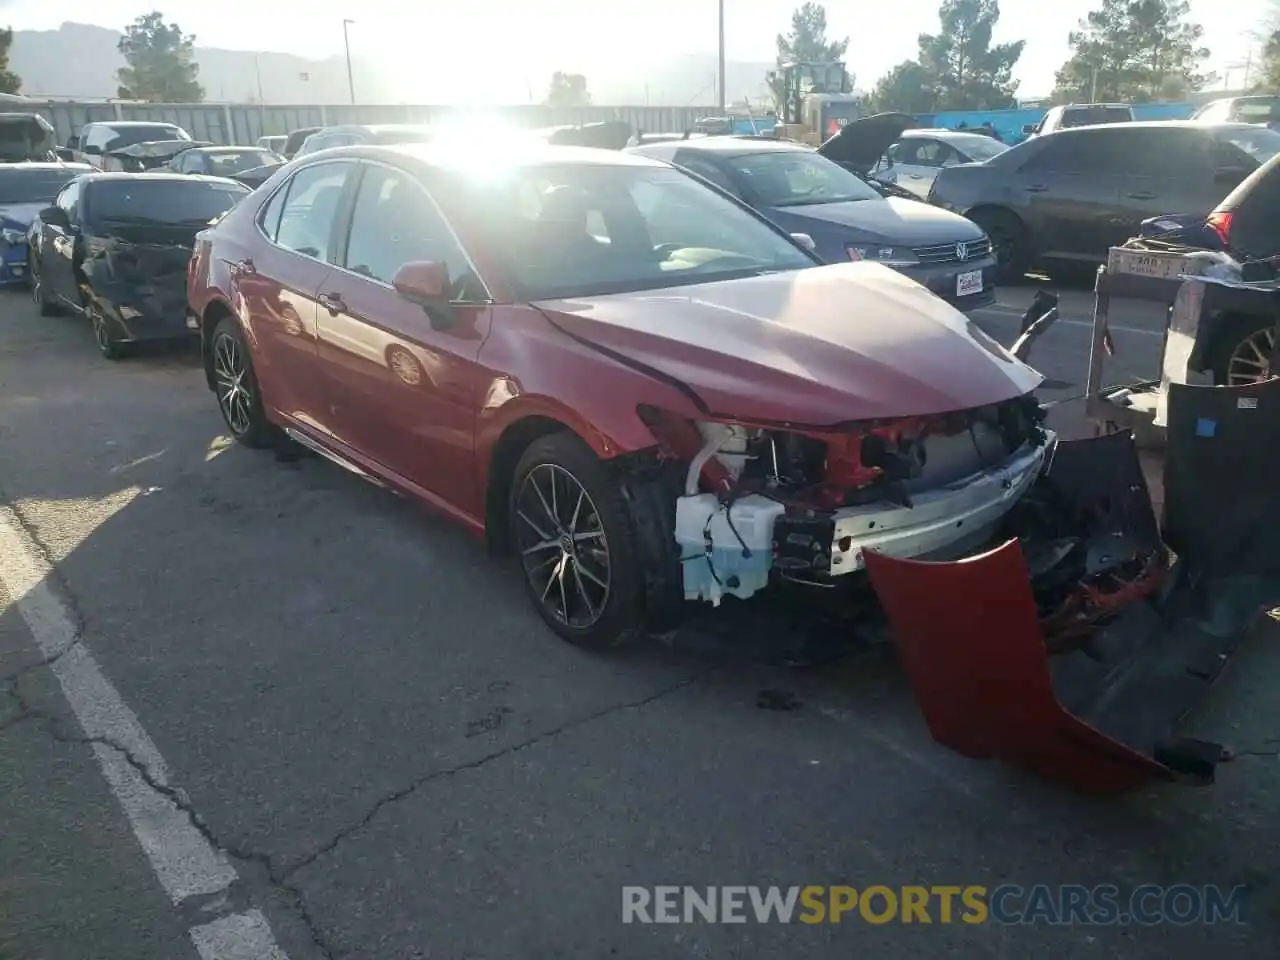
<point>43,165</point>
<point>739,145</point>
<point>1090,106</point>
<point>224,147</point>
<point>463,154</point>
<point>157,175</point>
<point>132,123</point>
<point>374,127</point>
<point>1161,125</point>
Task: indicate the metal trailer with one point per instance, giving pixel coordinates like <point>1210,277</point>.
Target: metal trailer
<point>1176,281</point>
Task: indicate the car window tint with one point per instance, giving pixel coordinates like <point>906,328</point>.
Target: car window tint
<point>306,221</point>
<point>69,199</point>
<point>705,168</point>
<point>395,222</point>
<point>1084,151</point>
<point>1258,144</point>
<point>1158,151</point>
<point>269,219</point>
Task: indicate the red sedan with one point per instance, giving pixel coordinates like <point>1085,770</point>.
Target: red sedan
<point>605,366</point>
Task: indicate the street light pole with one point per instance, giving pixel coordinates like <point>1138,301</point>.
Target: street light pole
<point>720,85</point>
<point>346,42</point>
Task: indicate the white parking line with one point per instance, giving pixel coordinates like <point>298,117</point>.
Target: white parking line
<point>185,863</point>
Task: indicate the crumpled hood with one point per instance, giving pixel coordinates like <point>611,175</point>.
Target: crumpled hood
<point>18,216</point>
<point>816,347</point>
<point>893,220</point>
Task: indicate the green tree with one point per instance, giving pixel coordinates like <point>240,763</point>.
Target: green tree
<point>1269,78</point>
<point>908,88</point>
<point>806,42</point>
<point>161,64</point>
<point>970,73</point>
<point>958,68</point>
<point>10,82</point>
<point>1134,50</point>
<point>568,90</point>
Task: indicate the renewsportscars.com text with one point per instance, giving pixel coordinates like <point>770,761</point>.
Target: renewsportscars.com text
<point>1008,904</point>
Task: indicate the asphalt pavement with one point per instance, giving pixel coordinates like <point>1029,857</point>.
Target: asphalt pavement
<point>255,709</point>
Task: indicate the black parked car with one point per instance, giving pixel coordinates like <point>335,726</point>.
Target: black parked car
<point>1070,195</point>
<point>115,246</point>
<point>804,191</point>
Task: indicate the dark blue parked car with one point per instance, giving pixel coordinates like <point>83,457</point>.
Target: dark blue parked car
<point>25,190</point>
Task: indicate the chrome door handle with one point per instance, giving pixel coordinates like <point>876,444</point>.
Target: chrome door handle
<point>1142,195</point>
<point>332,302</point>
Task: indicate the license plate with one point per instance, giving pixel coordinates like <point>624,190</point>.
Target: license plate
<point>969,283</point>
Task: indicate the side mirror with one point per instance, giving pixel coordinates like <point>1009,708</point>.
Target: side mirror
<point>426,283</point>
<point>54,216</point>
<point>93,150</point>
<point>73,143</point>
<point>1028,129</point>
<point>65,154</point>
<point>805,241</point>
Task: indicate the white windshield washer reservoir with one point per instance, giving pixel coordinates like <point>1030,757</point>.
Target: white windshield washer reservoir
<point>725,548</point>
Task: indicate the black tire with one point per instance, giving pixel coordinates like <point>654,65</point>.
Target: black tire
<point>109,344</point>
<point>587,616</point>
<point>1240,349</point>
<point>1010,243</point>
<point>241,411</point>
<point>40,293</point>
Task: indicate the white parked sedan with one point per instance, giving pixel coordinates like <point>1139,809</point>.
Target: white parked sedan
<point>918,155</point>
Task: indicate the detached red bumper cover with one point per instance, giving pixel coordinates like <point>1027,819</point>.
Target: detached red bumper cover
<point>1074,649</point>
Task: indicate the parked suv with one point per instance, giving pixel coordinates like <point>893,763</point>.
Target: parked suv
<point>1072,115</point>
<point>1068,196</point>
<point>1257,109</point>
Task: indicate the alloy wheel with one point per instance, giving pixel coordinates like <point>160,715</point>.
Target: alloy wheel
<point>1251,359</point>
<point>562,545</point>
<point>232,384</point>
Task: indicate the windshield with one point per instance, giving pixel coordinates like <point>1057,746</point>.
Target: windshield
<point>33,186</point>
<point>163,201</point>
<point>122,137</point>
<point>570,230</point>
<point>1258,142</point>
<point>1087,116</point>
<point>227,163</point>
<point>977,147</point>
<point>791,178</point>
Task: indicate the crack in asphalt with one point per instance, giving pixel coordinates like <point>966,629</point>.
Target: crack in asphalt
<point>277,877</point>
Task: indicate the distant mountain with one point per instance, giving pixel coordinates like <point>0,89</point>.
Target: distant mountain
<point>79,61</point>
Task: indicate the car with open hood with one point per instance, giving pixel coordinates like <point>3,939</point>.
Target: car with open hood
<point>633,382</point>
<point>827,195</point>
<point>914,160</point>
<point>26,189</point>
<point>102,137</point>
<point>26,137</point>
<point>114,248</point>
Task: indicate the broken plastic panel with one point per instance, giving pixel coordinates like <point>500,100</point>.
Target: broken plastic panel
<point>993,657</point>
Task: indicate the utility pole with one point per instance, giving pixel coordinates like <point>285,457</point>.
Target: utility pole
<point>346,42</point>
<point>720,84</point>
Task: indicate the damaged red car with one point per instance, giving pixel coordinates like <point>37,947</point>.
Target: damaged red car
<point>657,400</point>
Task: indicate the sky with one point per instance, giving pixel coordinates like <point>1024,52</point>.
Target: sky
<point>509,43</point>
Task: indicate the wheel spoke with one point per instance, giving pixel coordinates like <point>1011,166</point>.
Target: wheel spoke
<point>564,596</point>
<point>540,546</point>
<point>579,565</point>
<point>536,529</point>
<point>551,514</point>
<point>555,574</point>
<point>582,591</point>
<point>577,509</point>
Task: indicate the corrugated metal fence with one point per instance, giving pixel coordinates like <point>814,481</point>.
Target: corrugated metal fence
<point>240,123</point>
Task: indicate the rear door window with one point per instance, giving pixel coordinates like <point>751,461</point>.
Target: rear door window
<point>706,169</point>
<point>307,217</point>
<point>1083,151</point>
